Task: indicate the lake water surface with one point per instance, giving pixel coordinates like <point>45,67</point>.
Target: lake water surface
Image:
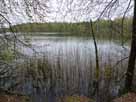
<point>72,64</point>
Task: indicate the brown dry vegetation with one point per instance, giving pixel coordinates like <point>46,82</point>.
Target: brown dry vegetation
<point>130,97</point>
<point>13,98</point>
<point>75,99</point>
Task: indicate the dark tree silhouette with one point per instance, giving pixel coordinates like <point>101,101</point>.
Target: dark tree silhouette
<point>132,57</point>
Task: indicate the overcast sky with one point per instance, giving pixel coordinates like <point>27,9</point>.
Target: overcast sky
<point>64,10</point>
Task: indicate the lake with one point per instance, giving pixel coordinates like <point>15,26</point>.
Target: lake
<point>66,66</point>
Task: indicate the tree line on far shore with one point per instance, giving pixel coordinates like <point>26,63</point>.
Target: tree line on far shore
<point>102,28</point>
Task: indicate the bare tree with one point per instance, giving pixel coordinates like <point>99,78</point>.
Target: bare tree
<point>11,13</point>
<point>106,9</point>
<point>132,56</point>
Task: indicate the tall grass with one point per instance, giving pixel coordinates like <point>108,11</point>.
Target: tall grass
<point>68,72</point>
<point>67,75</point>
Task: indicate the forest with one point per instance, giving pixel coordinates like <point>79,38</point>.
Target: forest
<point>104,28</point>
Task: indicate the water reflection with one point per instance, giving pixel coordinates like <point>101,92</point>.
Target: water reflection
<point>68,67</point>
